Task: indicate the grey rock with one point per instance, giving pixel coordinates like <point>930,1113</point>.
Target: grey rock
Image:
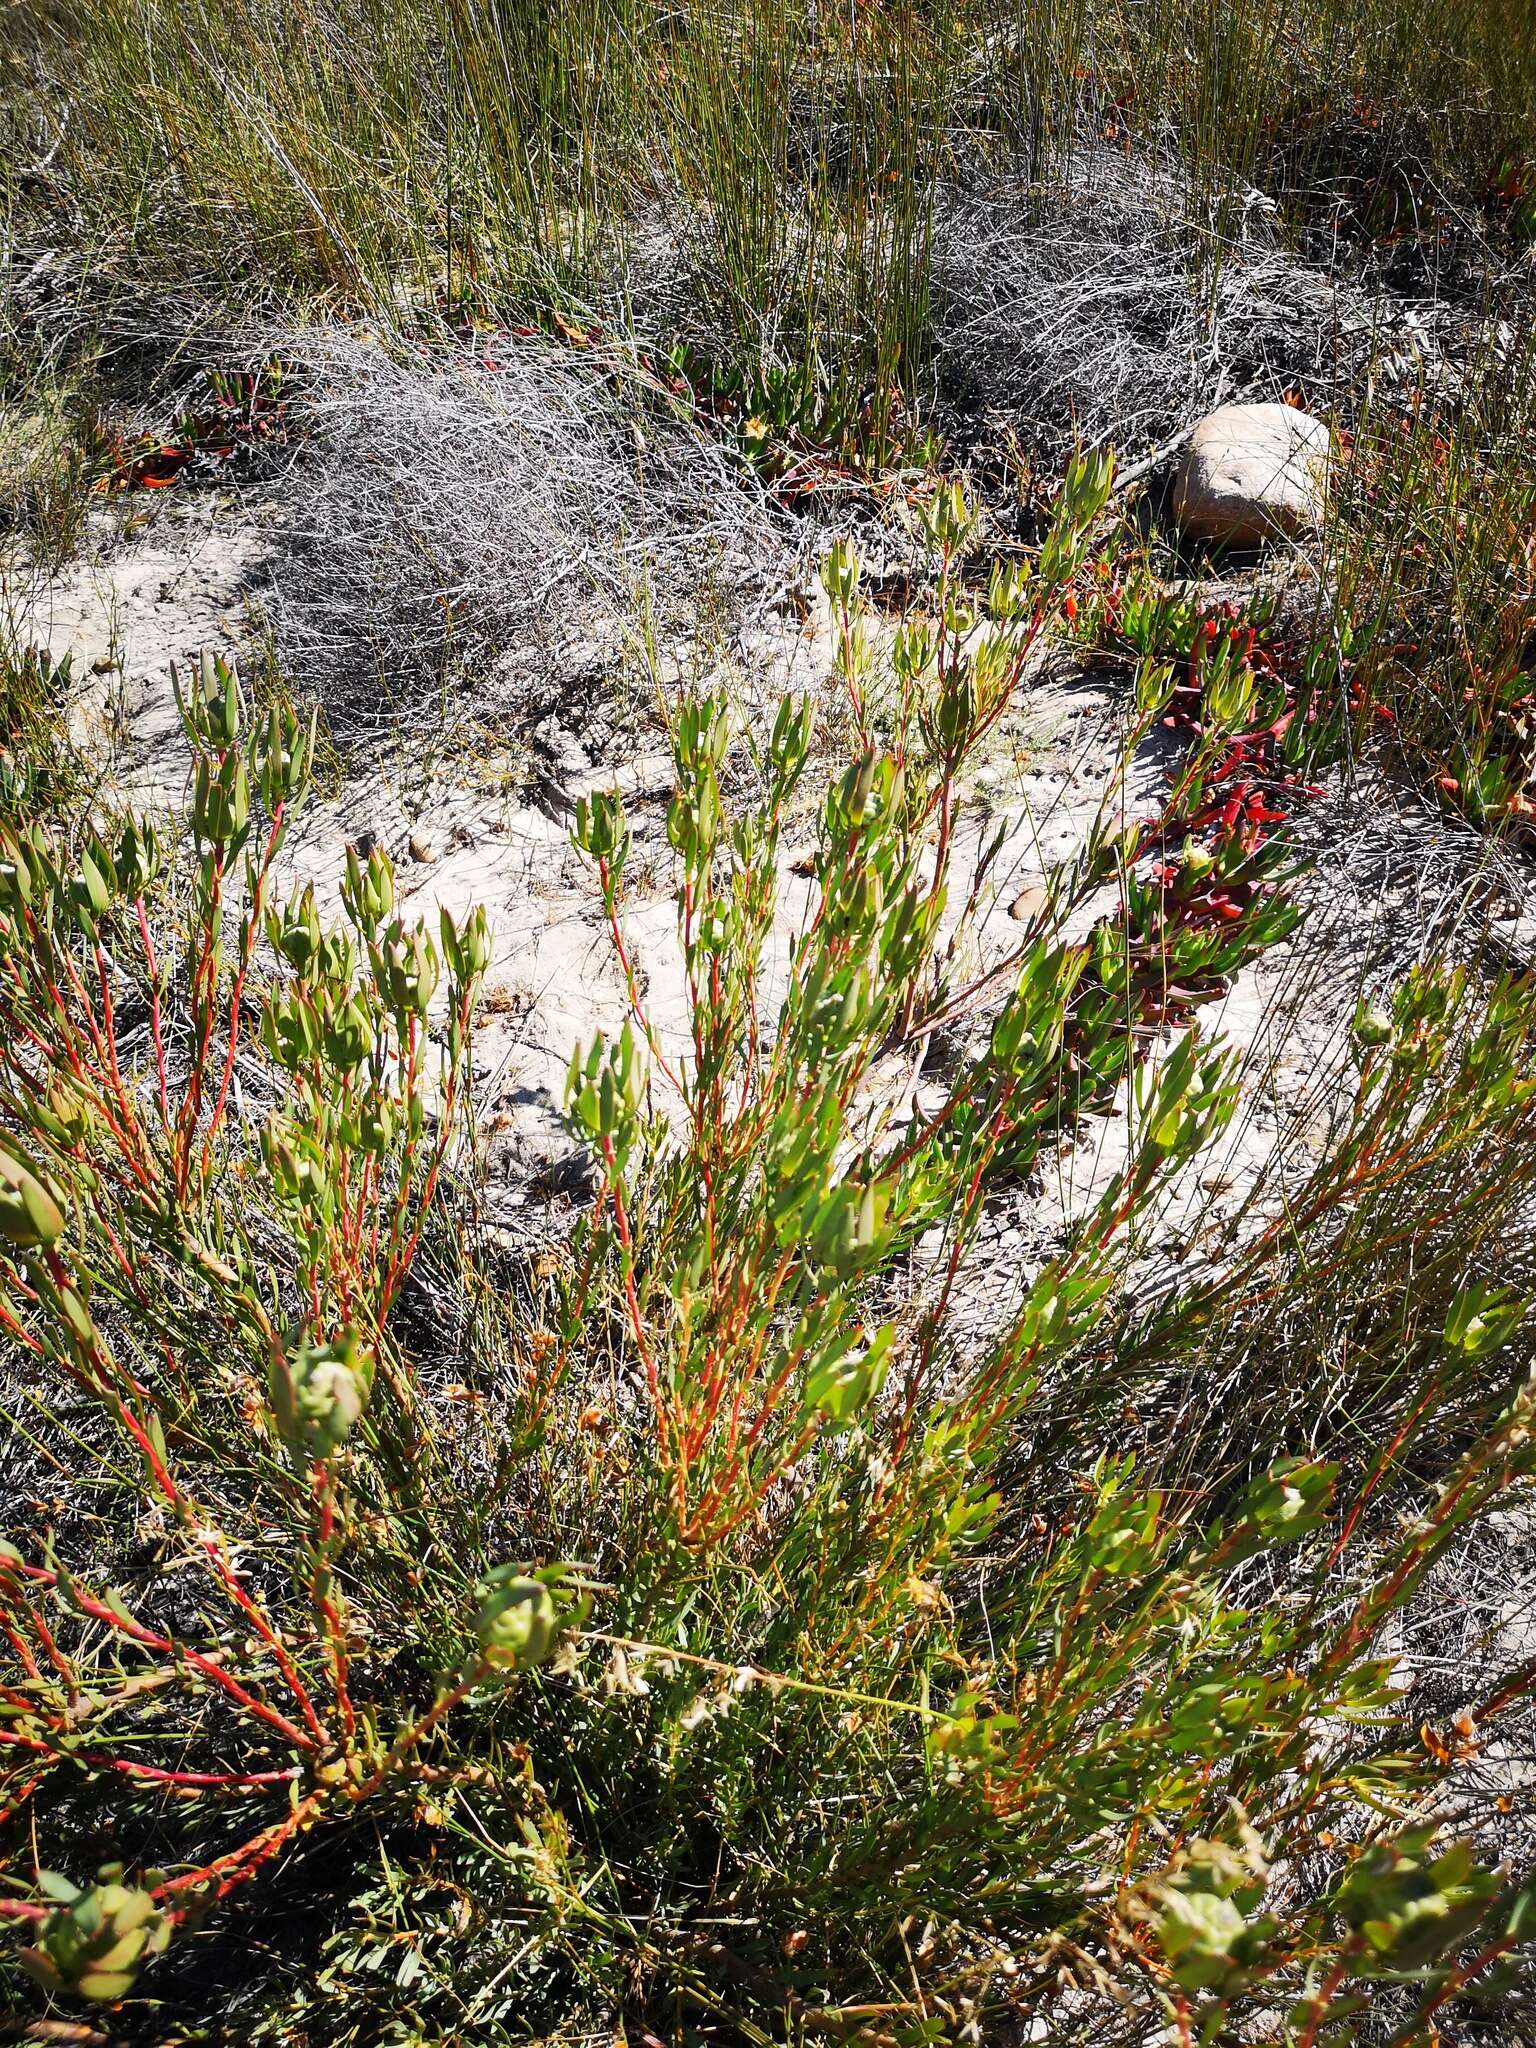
<point>1252,473</point>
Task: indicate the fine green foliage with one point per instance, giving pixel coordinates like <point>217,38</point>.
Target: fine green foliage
<point>747,1643</point>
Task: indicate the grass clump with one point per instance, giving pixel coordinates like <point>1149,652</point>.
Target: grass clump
<point>735,1646</point>
<point>1436,557</point>
<point>760,181</point>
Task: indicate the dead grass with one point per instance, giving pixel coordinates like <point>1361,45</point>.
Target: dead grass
<point>1101,313</point>
<point>456,502</point>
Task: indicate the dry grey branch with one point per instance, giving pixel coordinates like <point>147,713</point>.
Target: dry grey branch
<point>1092,317</point>
<point>461,502</point>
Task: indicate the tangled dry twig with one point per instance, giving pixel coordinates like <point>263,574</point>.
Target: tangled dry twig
<point>1100,318</point>
<point>461,501</point>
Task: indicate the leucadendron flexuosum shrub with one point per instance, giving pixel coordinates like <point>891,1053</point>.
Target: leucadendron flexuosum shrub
<point>748,1606</point>
<point>131,1281</point>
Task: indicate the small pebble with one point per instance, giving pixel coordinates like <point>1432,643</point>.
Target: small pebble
<point>1028,904</point>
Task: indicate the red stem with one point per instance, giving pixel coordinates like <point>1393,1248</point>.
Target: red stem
<point>156,1030</point>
